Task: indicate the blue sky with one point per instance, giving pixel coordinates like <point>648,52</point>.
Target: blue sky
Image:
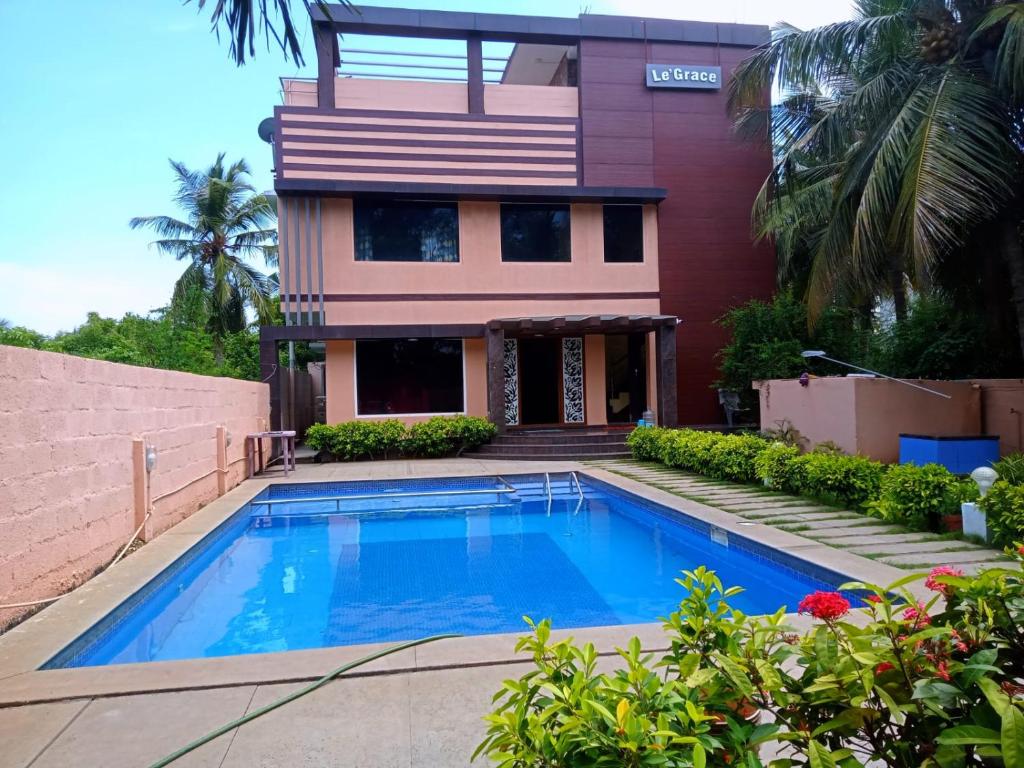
<point>97,96</point>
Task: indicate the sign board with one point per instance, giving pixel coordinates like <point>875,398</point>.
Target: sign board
<point>684,76</point>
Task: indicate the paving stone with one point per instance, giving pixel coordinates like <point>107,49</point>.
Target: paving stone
<point>942,558</point>
<point>818,531</point>
<point>808,517</point>
<point>883,539</point>
<point>906,547</point>
<point>763,514</point>
<point>840,522</point>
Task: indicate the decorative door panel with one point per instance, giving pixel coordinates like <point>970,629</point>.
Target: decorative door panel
<point>511,370</point>
<point>572,380</point>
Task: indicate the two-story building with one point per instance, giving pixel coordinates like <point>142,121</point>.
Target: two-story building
<point>545,237</point>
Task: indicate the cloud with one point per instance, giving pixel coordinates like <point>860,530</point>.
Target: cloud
<point>51,298</point>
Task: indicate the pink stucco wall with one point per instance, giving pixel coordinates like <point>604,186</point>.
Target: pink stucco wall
<point>866,416</point>
<point>66,472</point>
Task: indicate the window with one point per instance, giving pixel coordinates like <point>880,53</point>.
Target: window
<point>408,376</point>
<point>534,232</point>
<point>623,233</point>
<point>406,231</point>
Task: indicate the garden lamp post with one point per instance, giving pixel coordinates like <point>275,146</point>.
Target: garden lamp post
<point>819,353</point>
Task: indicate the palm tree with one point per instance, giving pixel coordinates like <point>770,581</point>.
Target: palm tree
<point>226,222</point>
<point>243,18</point>
<point>898,137</point>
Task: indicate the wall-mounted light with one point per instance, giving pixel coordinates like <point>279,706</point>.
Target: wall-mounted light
<point>823,356</point>
<point>984,477</point>
<point>150,458</point>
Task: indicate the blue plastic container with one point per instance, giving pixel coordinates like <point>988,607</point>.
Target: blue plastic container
<point>960,454</point>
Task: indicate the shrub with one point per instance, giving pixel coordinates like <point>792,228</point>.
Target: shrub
<point>733,457</point>
<point>439,436</point>
<point>906,684</point>
<point>852,481</point>
<point>1011,468</point>
<point>443,435</point>
<point>1004,512</point>
<point>690,449</point>
<point>646,442</point>
<point>776,467</point>
<point>917,497</point>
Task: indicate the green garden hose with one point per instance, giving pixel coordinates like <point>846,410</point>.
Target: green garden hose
<point>291,697</point>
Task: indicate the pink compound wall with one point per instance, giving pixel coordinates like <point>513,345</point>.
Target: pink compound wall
<point>66,463</point>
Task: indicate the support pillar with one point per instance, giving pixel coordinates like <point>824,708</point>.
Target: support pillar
<point>270,373</point>
<point>475,74</point>
<point>496,377</point>
<point>328,58</point>
<point>668,394</point>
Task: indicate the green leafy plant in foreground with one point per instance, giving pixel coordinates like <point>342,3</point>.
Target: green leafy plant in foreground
<point>895,683</point>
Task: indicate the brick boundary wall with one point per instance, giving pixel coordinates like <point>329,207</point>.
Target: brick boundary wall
<point>70,428</point>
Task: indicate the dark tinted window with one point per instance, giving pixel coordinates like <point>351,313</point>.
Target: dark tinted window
<point>406,231</point>
<point>623,233</point>
<point>408,376</point>
<point>534,232</point>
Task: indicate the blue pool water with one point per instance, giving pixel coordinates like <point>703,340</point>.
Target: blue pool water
<point>369,565</point>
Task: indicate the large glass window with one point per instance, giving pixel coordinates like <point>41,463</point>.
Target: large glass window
<point>397,230</point>
<point>623,233</point>
<point>531,232</point>
<point>408,376</point>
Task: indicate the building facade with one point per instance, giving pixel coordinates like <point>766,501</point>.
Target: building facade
<point>546,241</point>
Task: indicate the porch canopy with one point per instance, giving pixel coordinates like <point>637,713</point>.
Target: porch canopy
<point>663,326</point>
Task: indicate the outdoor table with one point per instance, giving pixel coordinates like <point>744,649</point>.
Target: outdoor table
<point>254,448</point>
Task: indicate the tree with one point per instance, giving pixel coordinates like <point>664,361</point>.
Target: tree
<point>226,223</point>
<point>242,19</point>
<point>898,138</point>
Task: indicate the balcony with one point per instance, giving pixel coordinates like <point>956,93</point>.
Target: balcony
<point>515,125</point>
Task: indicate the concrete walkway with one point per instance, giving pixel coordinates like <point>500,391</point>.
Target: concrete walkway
<point>850,531</point>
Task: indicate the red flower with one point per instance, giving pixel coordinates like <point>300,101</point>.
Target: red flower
<point>1020,549</point>
<point>917,617</point>
<point>885,666</point>
<point>827,606</point>
<point>873,599</point>
<point>937,586</point>
<point>942,670</point>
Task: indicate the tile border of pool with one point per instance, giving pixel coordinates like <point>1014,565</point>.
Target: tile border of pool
<point>26,647</point>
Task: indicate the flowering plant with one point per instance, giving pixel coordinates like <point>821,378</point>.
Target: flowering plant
<point>898,681</point>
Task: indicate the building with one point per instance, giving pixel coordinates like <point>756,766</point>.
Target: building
<point>540,225</point>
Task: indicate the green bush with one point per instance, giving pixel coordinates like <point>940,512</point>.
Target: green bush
<point>689,449</point>
<point>1004,511</point>
<point>733,457</point>
<point>646,443</point>
<point>1011,468</point>
<point>918,497</point>
<point>444,435</point>
<point>387,439</point>
<point>851,481</point>
<point>777,468</point>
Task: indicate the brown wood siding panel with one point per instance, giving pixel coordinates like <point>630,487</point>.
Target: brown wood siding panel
<point>682,141</point>
<point>362,145</point>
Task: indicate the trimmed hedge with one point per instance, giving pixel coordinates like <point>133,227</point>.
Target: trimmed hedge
<point>390,438</point>
<point>910,495</point>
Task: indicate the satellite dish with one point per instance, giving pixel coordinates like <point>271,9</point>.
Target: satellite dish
<point>266,130</point>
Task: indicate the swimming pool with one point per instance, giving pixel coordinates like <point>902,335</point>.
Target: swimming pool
<point>317,565</point>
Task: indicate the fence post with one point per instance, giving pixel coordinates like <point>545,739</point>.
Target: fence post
<point>140,486</point>
<point>222,459</point>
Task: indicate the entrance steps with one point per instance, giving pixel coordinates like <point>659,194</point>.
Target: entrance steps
<point>566,444</point>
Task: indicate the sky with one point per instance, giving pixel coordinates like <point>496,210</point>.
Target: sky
<point>97,96</point>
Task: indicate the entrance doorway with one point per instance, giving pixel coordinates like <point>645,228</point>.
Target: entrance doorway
<point>540,380</point>
<point>626,377</point>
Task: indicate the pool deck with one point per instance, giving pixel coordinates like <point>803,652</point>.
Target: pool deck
<point>419,707</point>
